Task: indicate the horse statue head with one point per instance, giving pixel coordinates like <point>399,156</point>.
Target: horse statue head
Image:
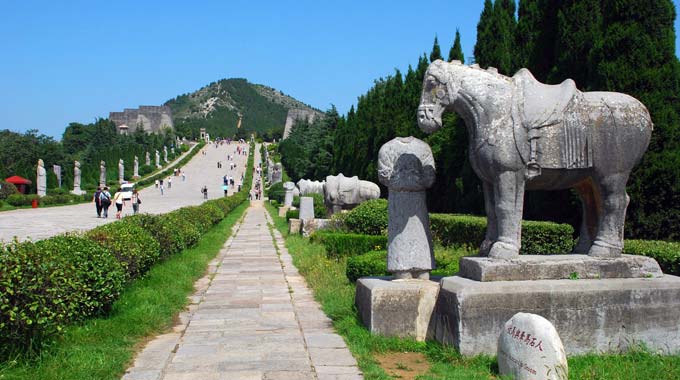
<point>439,93</point>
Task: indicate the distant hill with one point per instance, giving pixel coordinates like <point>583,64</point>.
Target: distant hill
<point>217,108</point>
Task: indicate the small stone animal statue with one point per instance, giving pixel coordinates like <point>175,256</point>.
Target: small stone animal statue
<point>528,135</point>
<point>345,193</point>
<point>307,186</point>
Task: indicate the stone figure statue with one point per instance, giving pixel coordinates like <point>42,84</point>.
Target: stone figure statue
<point>165,153</point>
<point>147,159</point>
<point>307,186</point>
<point>76,179</point>
<point>41,179</point>
<point>288,197</point>
<point>276,173</point>
<point>158,159</point>
<point>345,193</point>
<point>528,135</point>
<point>172,150</point>
<point>121,171</point>
<point>135,168</point>
<point>406,167</point>
<point>102,173</point>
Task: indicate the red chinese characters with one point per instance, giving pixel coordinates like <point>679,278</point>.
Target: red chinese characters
<point>525,338</point>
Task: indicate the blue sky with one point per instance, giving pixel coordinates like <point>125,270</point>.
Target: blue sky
<point>78,60</point>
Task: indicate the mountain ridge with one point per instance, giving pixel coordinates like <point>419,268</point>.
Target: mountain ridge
<point>218,106</point>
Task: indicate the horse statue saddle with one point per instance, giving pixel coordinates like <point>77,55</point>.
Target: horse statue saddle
<point>546,124</point>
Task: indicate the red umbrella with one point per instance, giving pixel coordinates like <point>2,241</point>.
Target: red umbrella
<point>16,180</point>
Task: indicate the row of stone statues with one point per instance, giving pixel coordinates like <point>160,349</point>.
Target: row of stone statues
<point>340,192</point>
<point>41,174</point>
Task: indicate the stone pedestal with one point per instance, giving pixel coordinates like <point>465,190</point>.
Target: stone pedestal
<point>311,225</point>
<point>399,308</point>
<point>283,210</point>
<point>306,208</point>
<point>288,197</point>
<point>294,226</point>
<point>556,267</point>
<point>590,315</point>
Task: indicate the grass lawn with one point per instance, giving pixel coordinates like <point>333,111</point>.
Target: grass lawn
<point>336,295</point>
<point>103,348</point>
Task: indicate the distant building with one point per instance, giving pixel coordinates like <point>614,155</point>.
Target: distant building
<point>151,119</point>
<point>295,114</point>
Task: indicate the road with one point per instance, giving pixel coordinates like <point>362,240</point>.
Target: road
<point>202,170</point>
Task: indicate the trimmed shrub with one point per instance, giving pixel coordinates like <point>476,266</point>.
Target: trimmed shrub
<point>339,244</point>
<point>18,200</point>
<point>189,232</point>
<point>320,210</point>
<point>368,218</point>
<point>276,192</point>
<point>369,264</point>
<point>41,294</point>
<point>537,237</point>
<point>96,268</point>
<point>134,247</point>
<point>292,214</point>
<point>667,254</point>
<point>7,189</point>
<point>168,234</point>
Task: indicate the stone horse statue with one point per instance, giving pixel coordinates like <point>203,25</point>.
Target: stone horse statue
<point>527,135</point>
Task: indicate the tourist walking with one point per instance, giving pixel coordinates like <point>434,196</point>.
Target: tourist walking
<point>161,186</point>
<point>156,183</point>
<point>184,177</point>
<point>105,200</point>
<point>119,201</point>
<point>169,182</point>
<point>97,201</point>
<point>135,202</point>
<point>204,190</point>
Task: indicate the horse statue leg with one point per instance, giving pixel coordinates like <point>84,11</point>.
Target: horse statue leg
<point>591,211</point>
<point>508,190</point>
<point>609,239</point>
<point>491,222</point>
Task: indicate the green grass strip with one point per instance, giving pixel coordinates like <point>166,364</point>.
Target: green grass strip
<point>336,294</point>
<point>103,348</point>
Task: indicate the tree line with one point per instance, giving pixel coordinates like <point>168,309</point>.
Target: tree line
<point>605,45</point>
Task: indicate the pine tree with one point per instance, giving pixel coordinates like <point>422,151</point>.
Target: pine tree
<point>535,36</point>
<point>436,51</point>
<point>456,51</point>
<point>504,26</point>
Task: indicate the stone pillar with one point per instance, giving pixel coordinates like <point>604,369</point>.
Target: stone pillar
<point>41,179</point>
<point>121,171</point>
<point>306,208</point>
<point>147,159</point>
<point>158,159</point>
<point>135,168</point>
<point>406,167</point>
<point>288,199</point>
<point>102,173</point>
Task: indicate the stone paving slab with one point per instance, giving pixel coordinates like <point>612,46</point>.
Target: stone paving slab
<point>245,323</point>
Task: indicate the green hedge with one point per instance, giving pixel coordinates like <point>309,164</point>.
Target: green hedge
<point>276,192</point>
<point>292,214</point>
<point>667,254</point>
<point>537,237</point>
<point>368,218</point>
<point>372,263</point>
<point>339,244</point>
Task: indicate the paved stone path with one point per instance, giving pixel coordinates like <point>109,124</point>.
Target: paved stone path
<point>252,317</point>
<point>202,170</point>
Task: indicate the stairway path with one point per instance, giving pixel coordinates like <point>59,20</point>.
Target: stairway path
<point>251,317</point>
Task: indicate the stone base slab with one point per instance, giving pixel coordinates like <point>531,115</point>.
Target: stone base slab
<point>557,267</point>
<point>311,225</point>
<point>590,315</point>
<point>283,210</point>
<point>294,226</point>
<point>399,308</point>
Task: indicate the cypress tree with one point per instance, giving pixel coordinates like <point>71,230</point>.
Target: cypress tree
<point>504,26</point>
<point>456,51</point>
<point>535,36</point>
<point>436,51</point>
<point>483,47</point>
